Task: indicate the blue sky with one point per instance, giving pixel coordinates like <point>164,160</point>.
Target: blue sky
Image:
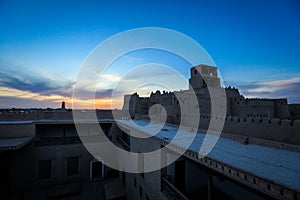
<point>255,44</point>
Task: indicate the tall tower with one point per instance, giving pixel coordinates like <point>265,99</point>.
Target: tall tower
<point>203,75</point>
<point>63,105</point>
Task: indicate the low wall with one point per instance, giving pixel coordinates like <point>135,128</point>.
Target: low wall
<point>38,115</point>
<point>285,131</point>
<point>60,115</point>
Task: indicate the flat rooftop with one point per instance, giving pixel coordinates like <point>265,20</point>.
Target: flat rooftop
<point>7,144</point>
<point>16,122</point>
<point>278,165</point>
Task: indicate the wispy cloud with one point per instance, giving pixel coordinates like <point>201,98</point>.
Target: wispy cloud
<point>285,88</point>
<point>40,90</point>
<point>20,89</point>
<point>35,84</point>
<point>110,77</point>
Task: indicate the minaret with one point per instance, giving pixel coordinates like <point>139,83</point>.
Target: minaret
<point>63,105</point>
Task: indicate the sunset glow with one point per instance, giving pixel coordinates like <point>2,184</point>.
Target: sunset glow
<point>41,53</point>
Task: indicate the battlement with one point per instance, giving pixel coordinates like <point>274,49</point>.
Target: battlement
<point>267,119</point>
<point>283,131</point>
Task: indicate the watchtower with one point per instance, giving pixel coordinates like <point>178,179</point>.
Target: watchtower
<point>203,76</point>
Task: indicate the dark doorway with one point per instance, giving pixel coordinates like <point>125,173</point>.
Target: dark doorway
<point>124,179</point>
<point>45,169</point>
<point>180,175</point>
<point>96,170</point>
<point>4,180</point>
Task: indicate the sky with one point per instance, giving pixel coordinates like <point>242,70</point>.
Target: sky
<point>44,44</point>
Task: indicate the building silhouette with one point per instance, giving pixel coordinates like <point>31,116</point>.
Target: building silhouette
<point>63,105</point>
<point>256,157</point>
<point>201,76</point>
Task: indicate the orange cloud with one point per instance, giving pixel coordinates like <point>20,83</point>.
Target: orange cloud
<point>104,103</point>
<point>99,103</point>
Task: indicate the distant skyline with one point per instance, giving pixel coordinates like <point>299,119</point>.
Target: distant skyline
<point>255,44</point>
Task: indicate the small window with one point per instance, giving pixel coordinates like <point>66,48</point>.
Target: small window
<point>45,169</point>
<point>72,166</point>
<point>134,182</point>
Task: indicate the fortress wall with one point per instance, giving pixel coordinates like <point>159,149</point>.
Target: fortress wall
<point>294,110</point>
<point>281,109</point>
<point>252,107</point>
<point>119,114</point>
<point>189,120</point>
<point>285,131</point>
<point>105,114</point>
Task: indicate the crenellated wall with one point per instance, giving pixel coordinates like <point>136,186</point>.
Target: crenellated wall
<point>294,110</point>
<point>281,131</point>
<point>201,75</point>
<point>285,131</point>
